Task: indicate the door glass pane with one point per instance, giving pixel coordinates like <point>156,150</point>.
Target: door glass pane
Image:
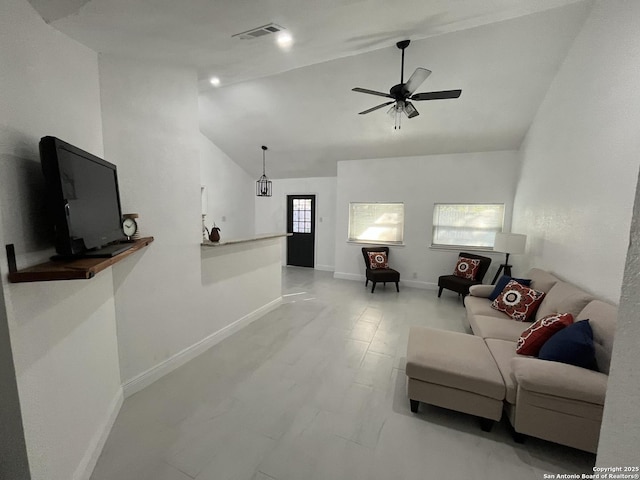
<point>301,215</point>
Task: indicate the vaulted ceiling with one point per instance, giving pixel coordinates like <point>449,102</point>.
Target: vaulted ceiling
<point>503,54</point>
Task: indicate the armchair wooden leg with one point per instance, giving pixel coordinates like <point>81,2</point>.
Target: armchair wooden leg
<point>414,405</point>
<point>373,287</point>
<point>397,287</point>
<point>440,291</point>
<point>366,283</point>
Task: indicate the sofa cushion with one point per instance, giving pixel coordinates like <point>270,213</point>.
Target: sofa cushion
<point>572,345</point>
<point>540,331</point>
<point>602,319</point>
<point>502,282</point>
<point>563,298</point>
<point>482,306</point>
<point>503,351</point>
<point>378,260</point>
<point>541,280</point>
<point>467,268</point>
<point>518,301</point>
<point>500,328</point>
<point>559,379</point>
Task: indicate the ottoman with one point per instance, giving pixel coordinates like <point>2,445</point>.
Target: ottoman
<point>455,371</point>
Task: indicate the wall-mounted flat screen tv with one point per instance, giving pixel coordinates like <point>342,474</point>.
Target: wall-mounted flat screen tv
<point>84,201</point>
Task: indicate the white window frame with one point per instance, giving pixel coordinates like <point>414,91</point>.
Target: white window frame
<point>375,228</point>
<point>483,245</point>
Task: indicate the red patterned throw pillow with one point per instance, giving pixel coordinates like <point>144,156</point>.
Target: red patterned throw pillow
<point>540,331</point>
<point>518,301</point>
<point>378,260</point>
<point>467,268</point>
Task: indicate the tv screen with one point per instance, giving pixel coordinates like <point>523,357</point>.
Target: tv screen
<point>84,200</point>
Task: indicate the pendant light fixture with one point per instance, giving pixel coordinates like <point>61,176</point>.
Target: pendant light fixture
<point>263,185</point>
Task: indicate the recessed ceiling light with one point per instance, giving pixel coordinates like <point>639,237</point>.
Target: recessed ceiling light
<point>284,40</point>
<point>215,81</point>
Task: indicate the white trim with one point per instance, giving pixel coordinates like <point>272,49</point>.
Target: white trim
<point>349,276</point>
<point>419,284</point>
<point>149,376</point>
<point>96,444</point>
<point>325,268</point>
<point>407,283</point>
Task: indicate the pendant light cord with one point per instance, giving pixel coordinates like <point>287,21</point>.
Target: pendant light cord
<point>263,150</point>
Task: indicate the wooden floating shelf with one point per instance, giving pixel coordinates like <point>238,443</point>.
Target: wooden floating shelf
<point>80,269</point>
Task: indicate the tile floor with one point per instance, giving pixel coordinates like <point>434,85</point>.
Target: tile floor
<point>315,390</point>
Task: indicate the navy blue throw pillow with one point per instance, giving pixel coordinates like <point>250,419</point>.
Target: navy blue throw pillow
<point>503,283</point>
<point>572,345</point>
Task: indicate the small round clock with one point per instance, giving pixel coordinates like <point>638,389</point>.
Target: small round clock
<point>129,227</point>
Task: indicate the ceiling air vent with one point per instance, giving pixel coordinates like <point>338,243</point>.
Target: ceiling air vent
<point>259,32</point>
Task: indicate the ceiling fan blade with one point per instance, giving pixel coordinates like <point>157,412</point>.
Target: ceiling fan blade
<point>410,110</point>
<point>371,92</point>
<point>442,95</point>
<point>419,76</point>
<point>376,107</point>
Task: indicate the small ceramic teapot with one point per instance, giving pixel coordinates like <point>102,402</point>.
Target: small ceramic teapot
<point>214,235</point>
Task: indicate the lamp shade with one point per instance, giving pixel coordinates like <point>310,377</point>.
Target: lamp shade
<point>510,243</point>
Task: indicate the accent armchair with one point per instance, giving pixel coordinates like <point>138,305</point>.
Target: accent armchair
<point>461,285</point>
<point>376,275</point>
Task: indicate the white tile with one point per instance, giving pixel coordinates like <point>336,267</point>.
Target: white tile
<point>371,315</point>
<point>385,342</point>
<point>238,458</point>
<point>262,476</point>
<point>363,331</point>
<point>375,370</point>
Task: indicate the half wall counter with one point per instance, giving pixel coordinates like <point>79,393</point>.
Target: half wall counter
<point>256,262</point>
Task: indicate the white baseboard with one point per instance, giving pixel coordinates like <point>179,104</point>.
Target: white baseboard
<point>146,378</point>
<point>96,444</point>
<point>408,283</point>
<point>419,284</point>
<point>349,276</point>
<point>324,268</point>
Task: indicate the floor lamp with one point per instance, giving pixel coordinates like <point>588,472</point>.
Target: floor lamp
<point>508,243</point>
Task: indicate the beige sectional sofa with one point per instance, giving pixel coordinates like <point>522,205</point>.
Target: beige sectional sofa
<point>549,400</point>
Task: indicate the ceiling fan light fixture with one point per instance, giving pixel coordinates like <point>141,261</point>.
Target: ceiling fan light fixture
<point>395,112</point>
<point>410,110</point>
<point>401,93</point>
<point>263,185</point>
